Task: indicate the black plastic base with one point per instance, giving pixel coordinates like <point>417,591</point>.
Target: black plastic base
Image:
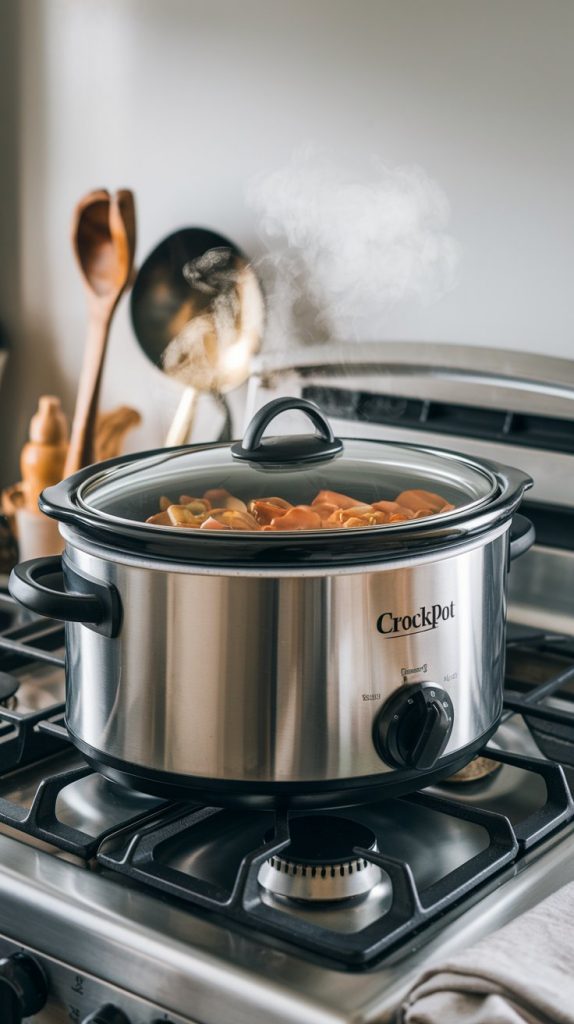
<point>334,793</point>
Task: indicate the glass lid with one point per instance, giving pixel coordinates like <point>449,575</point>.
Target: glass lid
<point>287,484</point>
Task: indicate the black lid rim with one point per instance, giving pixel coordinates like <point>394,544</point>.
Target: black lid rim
<point>276,550</point>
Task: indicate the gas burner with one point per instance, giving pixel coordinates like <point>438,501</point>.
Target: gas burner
<point>478,769</point>
<point>319,864</point>
<point>8,688</point>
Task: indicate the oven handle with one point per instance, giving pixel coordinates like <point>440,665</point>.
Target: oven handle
<point>51,586</point>
<point>522,536</point>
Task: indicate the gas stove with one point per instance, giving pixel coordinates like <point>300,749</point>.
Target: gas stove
<point>120,908</point>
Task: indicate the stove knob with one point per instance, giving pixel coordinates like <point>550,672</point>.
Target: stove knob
<point>108,1014</point>
<point>414,726</point>
<point>23,988</point>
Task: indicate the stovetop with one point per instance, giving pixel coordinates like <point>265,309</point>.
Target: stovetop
<point>125,871</point>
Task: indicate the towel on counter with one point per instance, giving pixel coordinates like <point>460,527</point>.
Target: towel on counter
<point>522,974</point>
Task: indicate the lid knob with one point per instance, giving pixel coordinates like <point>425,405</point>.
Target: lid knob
<point>294,447</point>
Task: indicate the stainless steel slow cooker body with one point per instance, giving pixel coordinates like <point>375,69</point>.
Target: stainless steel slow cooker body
<point>306,670</point>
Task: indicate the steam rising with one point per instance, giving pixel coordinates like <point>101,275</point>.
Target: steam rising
<point>344,249</point>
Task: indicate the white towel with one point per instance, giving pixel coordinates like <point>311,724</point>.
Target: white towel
<point>522,974</point>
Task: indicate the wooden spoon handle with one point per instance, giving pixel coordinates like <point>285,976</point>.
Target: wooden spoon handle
<point>103,236</point>
<point>80,451</point>
<point>183,419</point>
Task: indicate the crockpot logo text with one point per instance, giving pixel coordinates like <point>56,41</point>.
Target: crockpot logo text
<point>426,618</point>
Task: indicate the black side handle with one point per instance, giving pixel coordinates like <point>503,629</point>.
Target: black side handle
<point>38,585</point>
<point>522,536</point>
<point>296,447</point>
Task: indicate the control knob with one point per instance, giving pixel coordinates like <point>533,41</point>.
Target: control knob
<point>23,988</point>
<point>414,726</point>
<point>108,1014</point>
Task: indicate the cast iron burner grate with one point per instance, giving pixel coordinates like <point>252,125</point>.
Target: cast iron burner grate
<point>31,689</point>
<point>144,856</point>
<point>42,818</point>
<point>546,706</point>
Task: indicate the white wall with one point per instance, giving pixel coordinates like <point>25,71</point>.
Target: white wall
<point>185,100</point>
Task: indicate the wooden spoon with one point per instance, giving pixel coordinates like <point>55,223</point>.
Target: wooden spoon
<point>103,237</point>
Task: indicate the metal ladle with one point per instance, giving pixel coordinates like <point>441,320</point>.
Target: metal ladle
<point>198,311</point>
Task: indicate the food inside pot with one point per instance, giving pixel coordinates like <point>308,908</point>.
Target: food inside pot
<point>217,509</point>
